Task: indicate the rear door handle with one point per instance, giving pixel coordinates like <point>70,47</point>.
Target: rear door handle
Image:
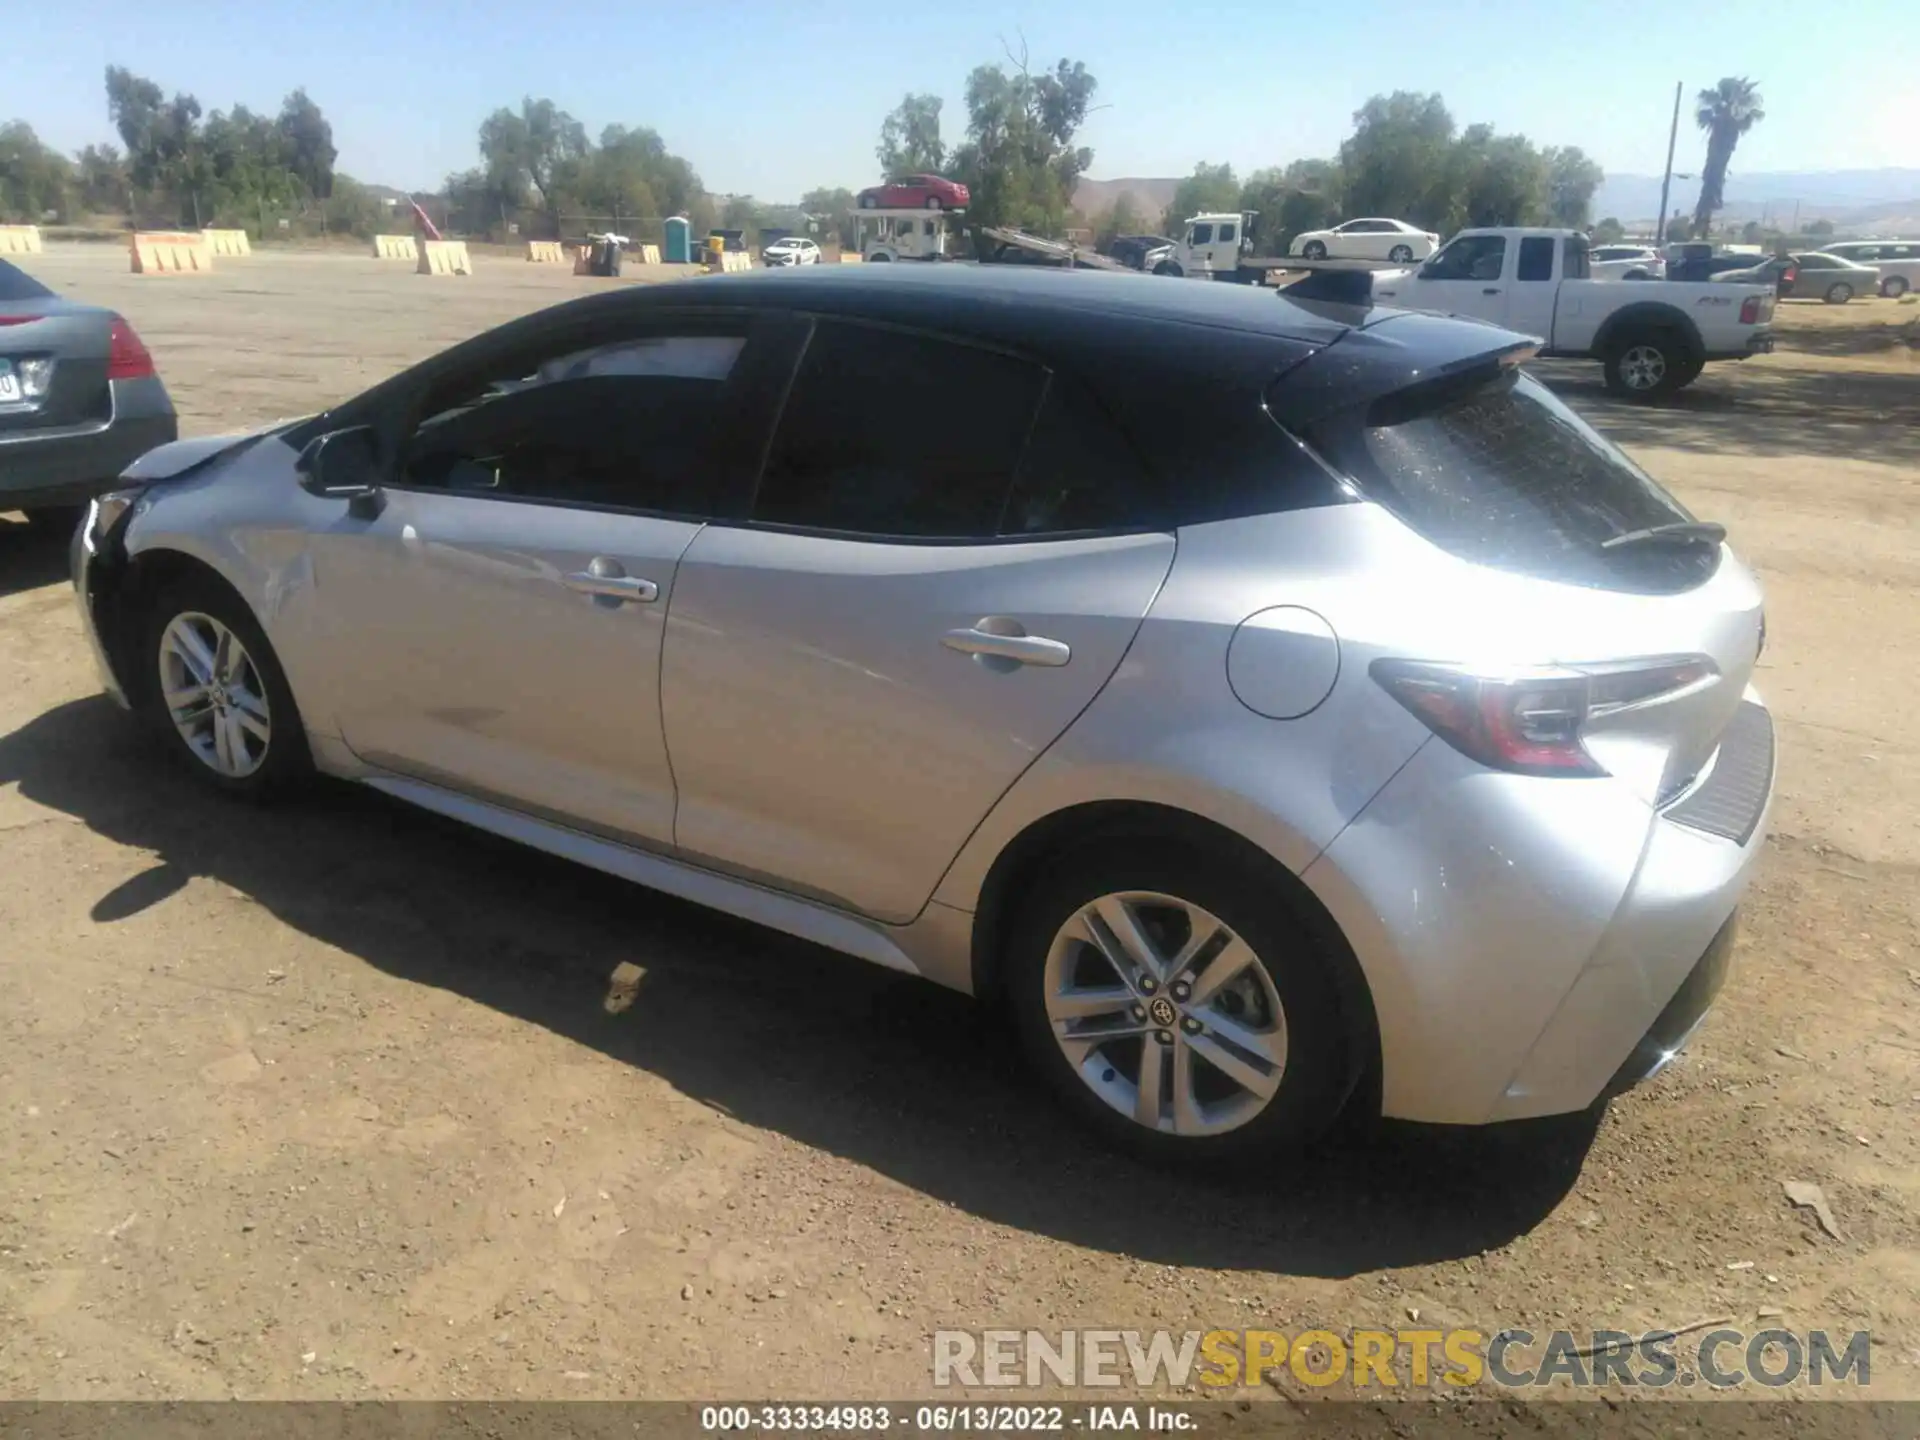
<point>606,579</point>
<point>1021,649</point>
<point>1491,290</point>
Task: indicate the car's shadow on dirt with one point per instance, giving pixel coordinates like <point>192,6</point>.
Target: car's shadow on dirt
<point>882,1069</point>
<point>30,556</point>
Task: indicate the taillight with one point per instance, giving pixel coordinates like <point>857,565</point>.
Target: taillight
<point>1530,723</point>
<point>127,357</point>
<point>1750,310</point>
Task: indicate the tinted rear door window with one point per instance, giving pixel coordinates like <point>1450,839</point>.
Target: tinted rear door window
<point>1079,472</point>
<point>890,433</point>
<point>1501,473</point>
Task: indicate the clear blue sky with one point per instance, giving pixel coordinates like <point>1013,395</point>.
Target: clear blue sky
<point>771,99</point>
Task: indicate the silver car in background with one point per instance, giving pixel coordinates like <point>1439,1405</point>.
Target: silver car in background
<point>1271,707</point>
<point>79,400</point>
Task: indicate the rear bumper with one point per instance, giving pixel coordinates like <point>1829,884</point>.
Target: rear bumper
<point>86,561</point>
<point>70,466</point>
<point>1674,1026</point>
<point>1525,939</point>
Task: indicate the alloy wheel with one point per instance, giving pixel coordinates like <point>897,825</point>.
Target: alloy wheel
<point>1643,367</point>
<point>214,695</point>
<point>1165,1013</point>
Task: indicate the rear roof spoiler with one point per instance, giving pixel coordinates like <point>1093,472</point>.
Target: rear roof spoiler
<point>1336,287</point>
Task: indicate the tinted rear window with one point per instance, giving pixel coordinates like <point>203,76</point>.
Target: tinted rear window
<point>1499,472</point>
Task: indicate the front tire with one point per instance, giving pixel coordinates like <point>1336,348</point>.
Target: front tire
<point>1169,268</point>
<point>1839,294</point>
<point>1174,1003</point>
<point>933,202</point>
<point>1647,365</point>
<point>215,691</point>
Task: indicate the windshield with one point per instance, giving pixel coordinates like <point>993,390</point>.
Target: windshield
<point>1499,472</point>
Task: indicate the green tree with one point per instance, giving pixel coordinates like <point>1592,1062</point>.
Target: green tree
<point>910,142</point>
<point>1677,229</point>
<point>1019,160</point>
<point>1496,180</point>
<point>541,145</point>
<point>1572,178</point>
<point>832,209</point>
<point>306,143</point>
<point>1608,232</point>
<point>162,140</point>
<point>1726,112</point>
<point>33,178</point>
<point>1211,188</point>
<point>1751,233</point>
<point>1121,218</point>
<point>1820,229</point>
<point>101,178</point>
<point>1398,161</point>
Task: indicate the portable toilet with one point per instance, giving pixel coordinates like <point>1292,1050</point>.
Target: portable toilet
<point>679,245</point>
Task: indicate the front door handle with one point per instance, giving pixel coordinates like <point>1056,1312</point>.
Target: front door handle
<point>1019,649</point>
<point>606,579</point>
<point>1491,290</point>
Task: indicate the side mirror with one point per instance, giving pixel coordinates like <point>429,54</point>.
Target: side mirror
<point>341,465</point>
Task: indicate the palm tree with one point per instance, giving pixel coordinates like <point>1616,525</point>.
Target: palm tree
<point>1726,112</point>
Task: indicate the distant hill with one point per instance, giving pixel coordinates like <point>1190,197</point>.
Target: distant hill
<point>1880,200</point>
<point>1852,199</point>
<point>1150,197</point>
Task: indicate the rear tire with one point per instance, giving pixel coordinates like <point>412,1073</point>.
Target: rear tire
<point>1839,294</point>
<point>1272,1019</point>
<point>1647,364</point>
<point>206,666</point>
<point>1401,254</point>
<point>1314,250</point>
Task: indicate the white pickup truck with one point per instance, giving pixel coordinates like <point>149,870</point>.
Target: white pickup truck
<point>1653,338</point>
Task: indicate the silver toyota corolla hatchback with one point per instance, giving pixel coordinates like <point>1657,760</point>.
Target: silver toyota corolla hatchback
<point>1273,704</point>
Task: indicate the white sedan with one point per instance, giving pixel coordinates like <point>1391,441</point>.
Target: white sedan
<point>1393,240</point>
<point>793,250</point>
<point>1625,262</point>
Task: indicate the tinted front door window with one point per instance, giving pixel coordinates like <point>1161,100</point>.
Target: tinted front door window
<point>891,433</point>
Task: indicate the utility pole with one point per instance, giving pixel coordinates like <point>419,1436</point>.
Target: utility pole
<point>1666,180</point>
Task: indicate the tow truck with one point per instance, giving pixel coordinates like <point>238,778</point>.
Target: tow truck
<point>899,234</point>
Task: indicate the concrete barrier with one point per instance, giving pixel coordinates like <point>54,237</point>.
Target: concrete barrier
<point>649,255</point>
<point>851,257</point>
<point>20,240</point>
<point>445,257</point>
<point>547,252</point>
<point>583,260</point>
<point>169,253</point>
<point>227,242</point>
<point>395,247</point>
<point>731,263</point>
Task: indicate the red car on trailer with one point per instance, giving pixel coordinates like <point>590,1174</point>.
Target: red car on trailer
<point>916,192</point>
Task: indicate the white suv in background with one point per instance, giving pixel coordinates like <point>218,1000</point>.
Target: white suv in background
<point>1625,262</point>
<point>1898,261</point>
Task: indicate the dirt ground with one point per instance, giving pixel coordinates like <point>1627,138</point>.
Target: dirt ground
<point>337,1102</point>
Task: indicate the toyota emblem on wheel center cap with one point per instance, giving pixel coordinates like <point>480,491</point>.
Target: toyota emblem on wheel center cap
<point>1162,1011</point>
